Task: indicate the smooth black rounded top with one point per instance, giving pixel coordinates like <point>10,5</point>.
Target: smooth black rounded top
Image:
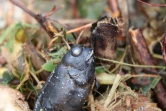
<point>76,51</point>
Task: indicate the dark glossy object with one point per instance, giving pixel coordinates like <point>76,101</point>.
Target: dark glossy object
<point>69,84</point>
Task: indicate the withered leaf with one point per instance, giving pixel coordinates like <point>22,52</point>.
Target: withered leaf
<point>163,45</point>
<point>103,37</point>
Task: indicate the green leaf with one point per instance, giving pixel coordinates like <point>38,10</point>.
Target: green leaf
<point>10,33</point>
<point>99,69</point>
<point>155,82</point>
<point>145,89</point>
<point>6,77</point>
<point>31,86</point>
<point>30,25</point>
<point>70,38</point>
<point>59,53</point>
<point>10,43</point>
<point>49,66</point>
<point>6,33</point>
<point>152,85</point>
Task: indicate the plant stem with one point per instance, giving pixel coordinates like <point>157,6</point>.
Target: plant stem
<point>132,65</point>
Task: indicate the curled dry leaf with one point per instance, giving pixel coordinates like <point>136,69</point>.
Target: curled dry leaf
<point>104,38</point>
<point>139,49</point>
<point>152,33</point>
<point>12,100</point>
<point>163,44</point>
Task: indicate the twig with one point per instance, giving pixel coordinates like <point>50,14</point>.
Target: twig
<point>42,20</point>
<point>91,99</point>
<point>38,71</point>
<point>110,72</point>
<point>76,21</point>
<point>77,41</point>
<point>144,75</point>
<point>66,43</point>
<point>23,8</point>
<point>123,56</point>
<point>157,56</point>
<point>112,91</point>
<point>53,11</point>
<point>132,65</point>
<point>52,41</point>
<point>79,28</point>
<point>152,5</point>
<point>26,77</point>
<point>35,77</point>
<point>62,34</point>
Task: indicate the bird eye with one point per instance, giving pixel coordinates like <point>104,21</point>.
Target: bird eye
<point>76,51</point>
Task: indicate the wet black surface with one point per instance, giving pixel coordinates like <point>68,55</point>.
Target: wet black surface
<point>68,86</point>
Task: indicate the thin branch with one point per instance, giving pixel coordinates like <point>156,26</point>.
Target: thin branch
<point>121,60</point>
<point>79,28</point>
<point>23,8</point>
<point>54,10</point>
<point>132,65</point>
<point>52,41</point>
<point>42,20</point>
<point>77,41</point>
<point>76,21</point>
